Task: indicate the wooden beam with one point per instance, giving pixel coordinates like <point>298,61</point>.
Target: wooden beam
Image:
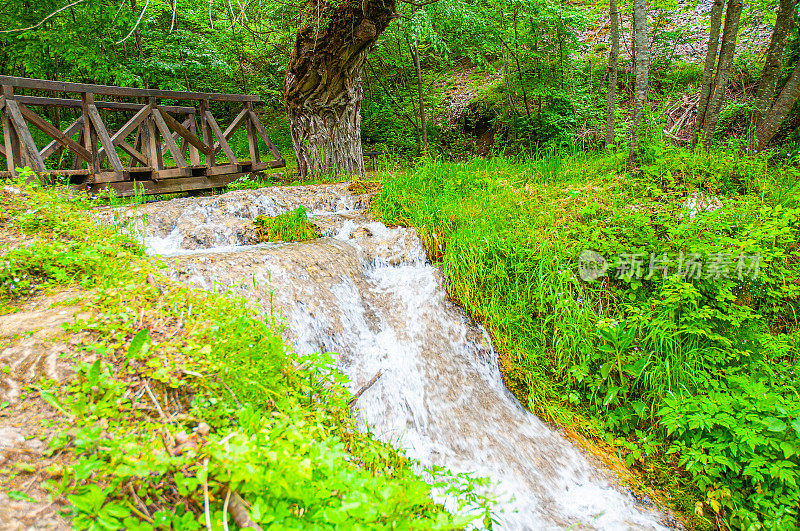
<point>169,186</point>
<point>223,169</point>
<point>205,129</point>
<point>133,152</point>
<point>150,140</point>
<point>105,138</point>
<point>62,86</point>
<point>76,161</point>
<point>182,131</point>
<point>258,166</point>
<point>232,128</point>
<point>8,137</point>
<point>90,139</point>
<point>172,173</point>
<point>55,133</point>
<point>54,172</point>
<point>111,177</point>
<point>166,134</point>
<point>103,105</point>
<point>252,136</point>
<point>131,124</point>
<point>74,127</point>
<point>25,135</point>
<point>223,142</point>
<point>264,136</point>
<point>194,154</point>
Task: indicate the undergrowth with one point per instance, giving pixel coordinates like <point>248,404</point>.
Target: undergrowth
<point>189,411</point>
<point>689,374</point>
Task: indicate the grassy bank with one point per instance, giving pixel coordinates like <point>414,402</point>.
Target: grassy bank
<point>184,403</point>
<point>689,373</point>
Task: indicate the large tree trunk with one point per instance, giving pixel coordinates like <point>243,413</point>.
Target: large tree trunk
<point>726,52</point>
<point>708,69</point>
<point>768,83</point>
<point>323,87</point>
<point>611,102</point>
<point>779,110</point>
<point>642,72</point>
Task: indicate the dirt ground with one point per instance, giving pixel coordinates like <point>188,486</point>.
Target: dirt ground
<point>33,348</point>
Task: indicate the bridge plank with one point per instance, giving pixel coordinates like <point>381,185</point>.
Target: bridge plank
<point>63,86</point>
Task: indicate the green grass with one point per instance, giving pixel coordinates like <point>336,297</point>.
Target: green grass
<point>245,416</point>
<point>621,358</point>
<point>292,226</point>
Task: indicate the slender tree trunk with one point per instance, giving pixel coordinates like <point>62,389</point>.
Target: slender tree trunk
<point>519,68</point>
<point>642,71</point>
<point>708,69</point>
<point>768,83</point>
<point>779,110</point>
<point>423,124</point>
<point>511,106</point>
<point>323,87</point>
<point>726,52</point>
<point>611,103</point>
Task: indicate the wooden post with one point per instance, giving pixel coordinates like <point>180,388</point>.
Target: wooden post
<point>153,153</point>
<point>252,135</point>
<point>90,139</point>
<point>76,162</point>
<point>194,155</point>
<point>205,127</point>
<point>13,155</point>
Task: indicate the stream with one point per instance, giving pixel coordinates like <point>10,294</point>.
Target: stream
<point>367,293</point>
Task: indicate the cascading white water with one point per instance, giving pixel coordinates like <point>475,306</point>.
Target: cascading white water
<point>367,293</point>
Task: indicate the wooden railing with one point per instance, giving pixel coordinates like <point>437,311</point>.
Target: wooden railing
<point>145,138</point>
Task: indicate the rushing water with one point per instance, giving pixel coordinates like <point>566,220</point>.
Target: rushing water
<point>367,293</point>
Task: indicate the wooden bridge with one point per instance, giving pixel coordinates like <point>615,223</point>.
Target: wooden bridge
<point>144,139</point>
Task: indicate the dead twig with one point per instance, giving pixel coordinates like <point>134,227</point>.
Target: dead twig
<point>155,401</point>
<point>367,386</point>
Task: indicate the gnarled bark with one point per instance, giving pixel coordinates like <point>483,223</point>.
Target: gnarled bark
<point>780,109</point>
<point>323,86</point>
<point>772,65</point>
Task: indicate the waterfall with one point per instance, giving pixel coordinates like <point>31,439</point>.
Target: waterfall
<point>367,293</point>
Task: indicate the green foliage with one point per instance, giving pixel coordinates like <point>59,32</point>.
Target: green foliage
<point>290,226</point>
